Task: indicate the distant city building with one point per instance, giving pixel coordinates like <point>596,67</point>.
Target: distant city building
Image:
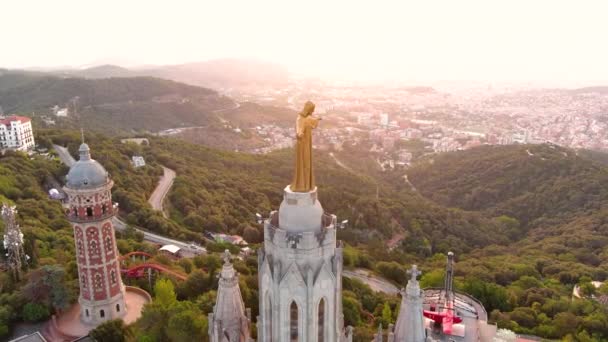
<point>16,133</point>
<point>519,138</point>
<point>405,157</point>
<point>364,118</point>
<point>231,239</point>
<point>60,112</point>
<point>138,141</point>
<point>388,143</point>
<point>384,120</point>
<point>138,161</point>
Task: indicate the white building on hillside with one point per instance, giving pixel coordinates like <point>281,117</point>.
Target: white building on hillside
<point>138,161</point>
<point>16,133</point>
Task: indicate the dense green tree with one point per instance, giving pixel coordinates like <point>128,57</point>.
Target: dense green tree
<point>47,285</point>
<point>35,312</point>
<point>164,293</point>
<point>112,331</point>
<point>187,324</point>
<point>352,311</point>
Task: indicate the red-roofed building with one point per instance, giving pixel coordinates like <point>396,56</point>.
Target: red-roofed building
<point>16,133</point>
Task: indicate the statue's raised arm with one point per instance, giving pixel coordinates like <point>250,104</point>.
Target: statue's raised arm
<point>303,179</point>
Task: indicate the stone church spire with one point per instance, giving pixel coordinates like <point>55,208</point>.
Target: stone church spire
<point>410,323</point>
<point>229,321</point>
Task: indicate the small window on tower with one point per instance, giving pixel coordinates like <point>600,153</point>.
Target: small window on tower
<point>102,314</point>
<point>117,307</point>
<point>89,211</point>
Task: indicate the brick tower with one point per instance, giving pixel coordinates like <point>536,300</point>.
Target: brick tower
<point>90,210</point>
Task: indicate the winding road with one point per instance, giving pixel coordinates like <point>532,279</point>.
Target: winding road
<point>188,249</point>
<point>374,282</point>
<point>64,155</point>
<point>158,195</point>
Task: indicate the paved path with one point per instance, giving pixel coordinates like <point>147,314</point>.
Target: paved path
<point>164,184</point>
<point>341,164</point>
<point>64,155</point>
<point>376,283</point>
<point>189,249</point>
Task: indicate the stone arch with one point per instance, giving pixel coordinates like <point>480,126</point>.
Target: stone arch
<point>268,317</point>
<point>322,311</point>
<point>294,322</point>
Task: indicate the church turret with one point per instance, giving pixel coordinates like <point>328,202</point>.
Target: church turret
<point>229,322</point>
<point>410,322</point>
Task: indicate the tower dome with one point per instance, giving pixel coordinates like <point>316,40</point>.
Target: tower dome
<point>86,173</point>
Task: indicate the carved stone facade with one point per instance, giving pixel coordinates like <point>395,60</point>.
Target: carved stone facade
<point>90,210</point>
<point>300,274</point>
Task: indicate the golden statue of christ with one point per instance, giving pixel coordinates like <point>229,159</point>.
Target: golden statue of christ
<point>303,179</point>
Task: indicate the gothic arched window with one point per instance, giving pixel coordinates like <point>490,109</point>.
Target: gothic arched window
<point>268,316</point>
<point>108,244</point>
<point>98,282</point>
<point>321,321</point>
<point>293,322</point>
<point>80,248</point>
<point>93,248</point>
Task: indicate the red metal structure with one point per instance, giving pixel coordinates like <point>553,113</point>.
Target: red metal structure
<point>137,253</point>
<point>138,271</point>
<point>440,317</point>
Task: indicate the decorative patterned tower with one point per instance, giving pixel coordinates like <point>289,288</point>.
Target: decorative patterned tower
<point>229,320</point>
<point>90,210</point>
<point>300,274</point>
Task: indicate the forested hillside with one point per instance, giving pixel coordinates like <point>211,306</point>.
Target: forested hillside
<point>48,242</point>
<point>553,205</point>
<point>221,191</point>
<point>112,105</point>
<point>524,275</point>
<point>527,182</point>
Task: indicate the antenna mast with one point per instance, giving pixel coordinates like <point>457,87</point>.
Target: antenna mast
<point>13,241</point>
<point>449,280</point>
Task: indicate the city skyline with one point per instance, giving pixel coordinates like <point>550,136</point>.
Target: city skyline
<point>549,42</point>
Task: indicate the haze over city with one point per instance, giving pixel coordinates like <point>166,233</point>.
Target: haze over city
<point>545,42</point>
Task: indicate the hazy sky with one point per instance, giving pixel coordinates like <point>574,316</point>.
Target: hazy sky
<point>413,40</point>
